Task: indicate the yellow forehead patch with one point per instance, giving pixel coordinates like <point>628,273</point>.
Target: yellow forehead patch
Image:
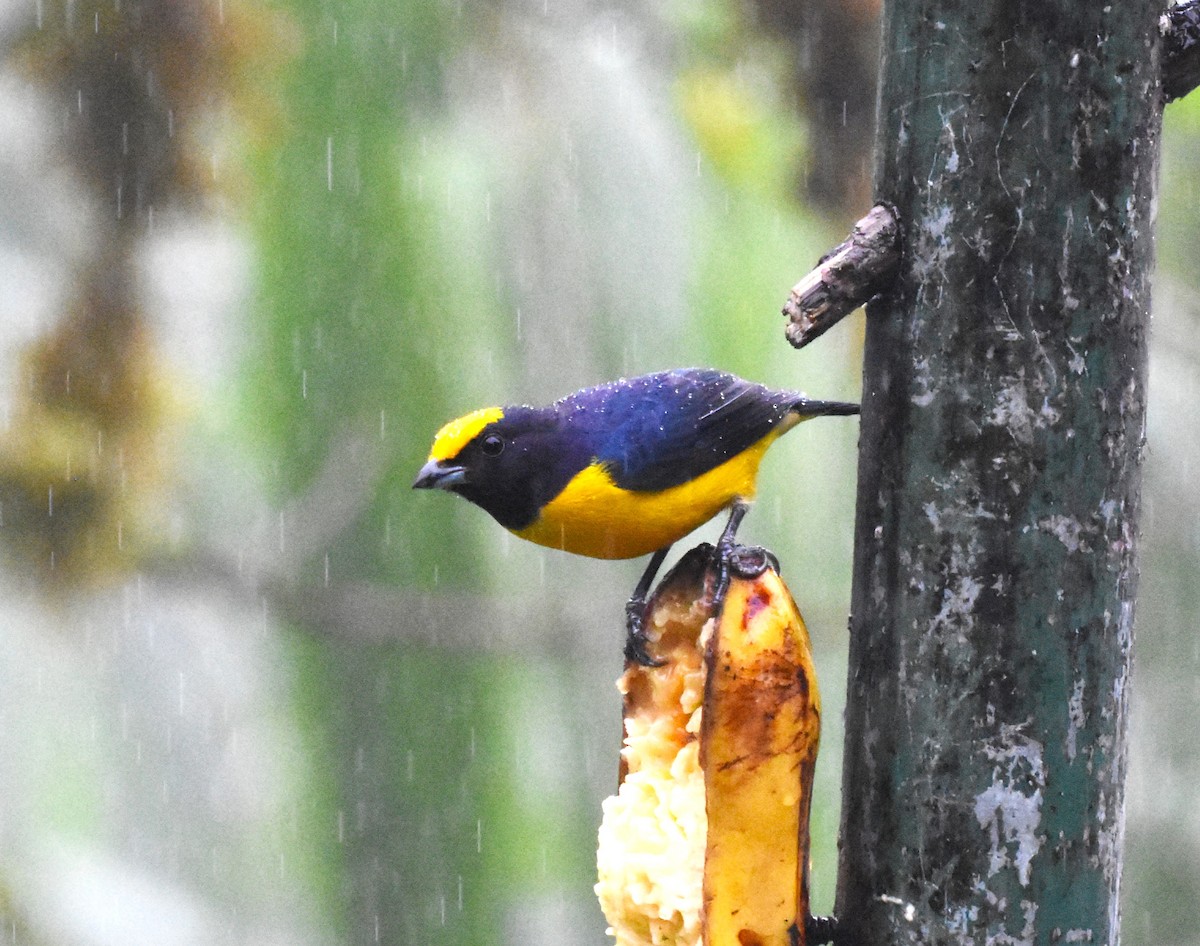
<point>458,433</point>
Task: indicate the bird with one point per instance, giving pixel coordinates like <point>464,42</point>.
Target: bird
<point>621,469</point>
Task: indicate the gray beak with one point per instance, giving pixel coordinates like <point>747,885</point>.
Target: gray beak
<point>437,474</point>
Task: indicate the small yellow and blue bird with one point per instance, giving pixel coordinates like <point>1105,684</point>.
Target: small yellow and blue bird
<point>621,469</point>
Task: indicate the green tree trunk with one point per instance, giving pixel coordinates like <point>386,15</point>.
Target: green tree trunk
<point>1003,414</point>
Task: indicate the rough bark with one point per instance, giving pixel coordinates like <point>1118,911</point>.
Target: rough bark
<point>1002,429</point>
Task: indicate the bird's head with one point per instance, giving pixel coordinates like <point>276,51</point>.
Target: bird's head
<point>509,461</point>
<point>458,450</point>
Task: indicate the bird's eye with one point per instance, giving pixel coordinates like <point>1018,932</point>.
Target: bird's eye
<point>492,446</point>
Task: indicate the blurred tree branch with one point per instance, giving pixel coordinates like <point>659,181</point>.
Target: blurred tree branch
<point>366,613</point>
<point>834,48</point>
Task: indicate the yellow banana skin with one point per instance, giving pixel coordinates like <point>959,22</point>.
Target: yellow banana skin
<point>707,839</point>
<point>758,747</point>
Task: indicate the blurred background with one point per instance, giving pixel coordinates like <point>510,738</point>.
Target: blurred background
<point>253,689</point>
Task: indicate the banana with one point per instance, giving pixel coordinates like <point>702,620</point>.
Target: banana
<point>706,840</point>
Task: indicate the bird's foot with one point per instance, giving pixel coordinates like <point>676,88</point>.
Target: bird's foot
<point>731,560</point>
<point>750,561</point>
<point>636,641</point>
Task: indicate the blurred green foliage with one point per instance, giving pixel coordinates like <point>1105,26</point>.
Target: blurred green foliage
<point>1161,890</point>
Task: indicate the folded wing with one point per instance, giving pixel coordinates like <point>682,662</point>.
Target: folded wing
<point>668,428</point>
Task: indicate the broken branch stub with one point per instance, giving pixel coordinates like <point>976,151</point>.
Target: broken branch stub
<point>859,268</point>
<point>1180,27</point>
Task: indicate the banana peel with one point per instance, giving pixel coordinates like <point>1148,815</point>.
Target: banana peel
<point>706,841</point>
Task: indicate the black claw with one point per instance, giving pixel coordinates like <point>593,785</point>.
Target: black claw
<point>750,561</point>
<point>636,653</point>
<point>820,929</point>
<point>635,614</point>
<point>636,642</point>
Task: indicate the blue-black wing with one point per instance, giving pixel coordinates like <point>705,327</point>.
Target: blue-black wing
<point>660,430</point>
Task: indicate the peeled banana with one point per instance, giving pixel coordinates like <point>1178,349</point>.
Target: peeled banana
<point>706,840</point>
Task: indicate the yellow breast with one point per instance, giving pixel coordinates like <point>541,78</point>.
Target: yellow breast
<point>593,516</point>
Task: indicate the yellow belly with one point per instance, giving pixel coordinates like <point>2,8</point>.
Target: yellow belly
<point>593,516</point>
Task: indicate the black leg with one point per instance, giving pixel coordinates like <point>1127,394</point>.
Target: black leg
<point>736,515</point>
<point>726,551</point>
<point>635,613</point>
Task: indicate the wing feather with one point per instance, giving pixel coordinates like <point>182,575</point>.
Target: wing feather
<point>662,430</point>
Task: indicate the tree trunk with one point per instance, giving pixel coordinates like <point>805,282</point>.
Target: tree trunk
<point>1002,429</point>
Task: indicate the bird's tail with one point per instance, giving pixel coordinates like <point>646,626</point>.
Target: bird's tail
<point>807,408</point>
